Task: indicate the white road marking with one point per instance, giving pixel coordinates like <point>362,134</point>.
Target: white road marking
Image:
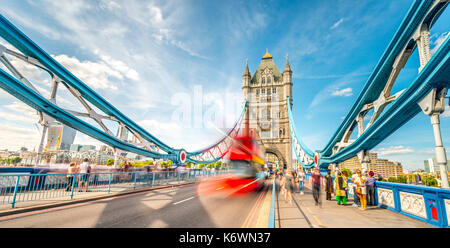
<point>184,200</point>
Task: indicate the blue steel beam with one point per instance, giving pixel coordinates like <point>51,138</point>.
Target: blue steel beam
<point>436,74</point>
<point>24,44</point>
<point>377,80</point>
<point>36,101</point>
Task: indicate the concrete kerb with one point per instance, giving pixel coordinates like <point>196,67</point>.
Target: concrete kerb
<point>87,199</point>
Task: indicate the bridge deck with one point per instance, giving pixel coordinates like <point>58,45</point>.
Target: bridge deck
<point>304,214</point>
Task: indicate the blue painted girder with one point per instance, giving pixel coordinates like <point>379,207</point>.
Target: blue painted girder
<point>24,44</point>
<point>436,74</point>
<point>382,71</point>
<point>36,101</point>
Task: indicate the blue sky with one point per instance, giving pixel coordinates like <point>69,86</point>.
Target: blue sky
<point>149,57</point>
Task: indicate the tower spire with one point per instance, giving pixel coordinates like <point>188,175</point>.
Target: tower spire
<point>287,67</point>
<point>246,71</point>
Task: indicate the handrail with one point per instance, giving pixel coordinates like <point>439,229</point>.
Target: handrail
<point>272,205</point>
<point>18,187</point>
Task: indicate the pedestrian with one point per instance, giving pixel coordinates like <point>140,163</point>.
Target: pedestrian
<point>85,169</point>
<point>341,184</point>
<point>315,181</point>
<point>370,188</point>
<point>283,185</point>
<point>295,177</point>
<point>356,202</point>
<point>301,181</point>
<point>345,178</point>
<point>361,188</point>
<point>289,186</point>
<point>329,185</point>
<point>70,174</point>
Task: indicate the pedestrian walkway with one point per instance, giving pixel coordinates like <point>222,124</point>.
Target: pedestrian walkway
<point>117,189</point>
<point>304,214</point>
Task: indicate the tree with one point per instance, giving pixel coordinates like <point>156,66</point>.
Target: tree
<point>402,179</point>
<point>218,164</point>
<point>392,179</point>
<point>110,162</point>
<point>349,172</point>
<point>431,181</point>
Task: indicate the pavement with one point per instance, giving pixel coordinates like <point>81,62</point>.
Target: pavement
<point>63,198</point>
<point>303,213</point>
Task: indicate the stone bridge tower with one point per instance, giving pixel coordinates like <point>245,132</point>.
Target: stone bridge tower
<point>266,112</point>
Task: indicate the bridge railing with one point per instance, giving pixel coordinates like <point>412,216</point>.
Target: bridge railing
<point>428,204</point>
<point>424,203</point>
<point>271,223</point>
<point>18,187</point>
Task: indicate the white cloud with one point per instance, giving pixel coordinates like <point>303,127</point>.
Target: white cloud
<point>446,112</point>
<point>394,150</point>
<point>120,66</point>
<point>96,75</point>
<point>156,13</point>
<point>336,24</point>
<point>438,42</point>
<point>343,92</point>
<point>13,137</point>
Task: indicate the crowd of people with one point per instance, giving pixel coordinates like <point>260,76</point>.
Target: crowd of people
<point>361,184</point>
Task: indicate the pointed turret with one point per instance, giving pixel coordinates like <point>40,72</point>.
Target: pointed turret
<point>246,80</point>
<point>287,67</point>
<point>246,71</point>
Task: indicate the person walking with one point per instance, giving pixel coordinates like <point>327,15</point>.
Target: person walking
<point>70,174</point>
<point>301,181</point>
<point>345,178</point>
<point>315,182</point>
<point>85,169</point>
<point>283,185</point>
<point>361,188</point>
<point>329,185</point>
<point>356,202</point>
<point>341,184</point>
<point>289,186</point>
<point>370,188</point>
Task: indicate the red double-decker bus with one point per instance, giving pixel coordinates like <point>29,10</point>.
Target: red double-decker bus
<point>245,163</point>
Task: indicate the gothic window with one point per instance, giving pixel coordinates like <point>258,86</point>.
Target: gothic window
<point>263,91</point>
<point>257,92</point>
<point>269,80</point>
<point>263,81</point>
<point>268,91</point>
<point>274,90</point>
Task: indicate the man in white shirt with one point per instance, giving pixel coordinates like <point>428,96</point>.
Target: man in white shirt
<point>85,169</point>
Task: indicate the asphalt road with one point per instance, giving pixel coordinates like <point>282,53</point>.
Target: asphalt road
<point>171,207</point>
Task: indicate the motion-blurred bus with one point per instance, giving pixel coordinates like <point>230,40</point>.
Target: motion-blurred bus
<point>246,170</point>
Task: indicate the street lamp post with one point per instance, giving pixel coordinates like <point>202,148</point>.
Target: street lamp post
<point>433,105</point>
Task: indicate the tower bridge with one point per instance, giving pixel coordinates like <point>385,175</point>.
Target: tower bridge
<point>267,111</point>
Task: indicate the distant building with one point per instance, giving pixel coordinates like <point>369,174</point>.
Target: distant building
<point>60,137</point>
<point>87,148</point>
<point>75,148</point>
<point>381,167</point>
<point>431,166</point>
<point>81,148</point>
